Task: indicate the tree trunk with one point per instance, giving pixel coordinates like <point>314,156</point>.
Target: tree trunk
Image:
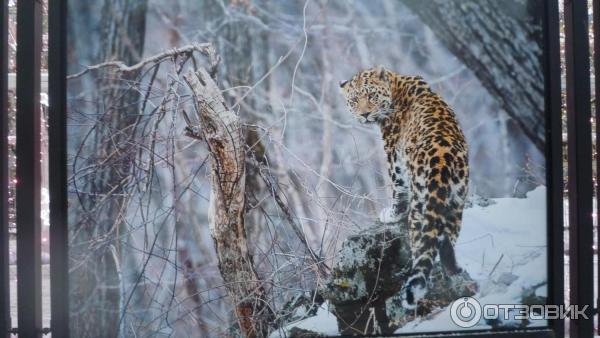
<point>98,220</point>
<point>236,44</point>
<point>221,128</point>
<point>502,45</point>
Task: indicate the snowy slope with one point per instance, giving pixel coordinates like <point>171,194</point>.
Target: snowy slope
<point>502,246</point>
<point>512,232</point>
<point>324,322</point>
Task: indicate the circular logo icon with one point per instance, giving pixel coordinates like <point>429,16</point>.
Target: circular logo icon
<point>465,312</point>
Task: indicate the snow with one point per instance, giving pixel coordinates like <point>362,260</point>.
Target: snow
<point>509,235</point>
<point>324,322</point>
<point>502,246</point>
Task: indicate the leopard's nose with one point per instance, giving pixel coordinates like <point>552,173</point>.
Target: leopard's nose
<point>365,115</point>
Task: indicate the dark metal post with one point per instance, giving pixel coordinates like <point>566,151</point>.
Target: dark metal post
<point>59,236</point>
<point>554,161</point>
<point>596,9</point>
<point>5,324</point>
<point>580,162</point>
<point>29,293</point>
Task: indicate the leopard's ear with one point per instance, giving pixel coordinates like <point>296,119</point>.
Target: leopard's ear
<point>382,73</point>
<point>343,83</point>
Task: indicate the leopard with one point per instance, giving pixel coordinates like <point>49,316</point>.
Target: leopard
<point>427,158</point>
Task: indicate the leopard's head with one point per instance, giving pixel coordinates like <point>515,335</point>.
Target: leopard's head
<point>369,94</point>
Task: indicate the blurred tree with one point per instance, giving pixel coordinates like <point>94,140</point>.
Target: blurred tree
<point>96,281</point>
<point>495,39</point>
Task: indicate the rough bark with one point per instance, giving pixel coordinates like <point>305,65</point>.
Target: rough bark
<point>220,127</point>
<point>501,43</point>
<point>364,287</point>
<point>235,44</point>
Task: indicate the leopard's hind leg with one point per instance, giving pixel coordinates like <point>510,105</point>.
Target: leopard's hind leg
<point>447,240</point>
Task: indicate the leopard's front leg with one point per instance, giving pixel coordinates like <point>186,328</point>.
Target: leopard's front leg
<point>401,194</point>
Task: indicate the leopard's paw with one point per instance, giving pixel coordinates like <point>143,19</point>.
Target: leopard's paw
<point>413,291</point>
<point>388,215</point>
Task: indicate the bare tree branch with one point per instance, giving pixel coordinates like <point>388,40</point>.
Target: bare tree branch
<point>269,180</point>
<point>203,48</point>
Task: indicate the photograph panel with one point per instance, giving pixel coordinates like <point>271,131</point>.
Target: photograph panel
<point>275,168</point>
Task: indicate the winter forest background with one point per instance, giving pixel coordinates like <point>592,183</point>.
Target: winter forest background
<point>142,257</point>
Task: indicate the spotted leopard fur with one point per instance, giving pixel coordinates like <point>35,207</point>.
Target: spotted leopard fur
<point>428,164</point>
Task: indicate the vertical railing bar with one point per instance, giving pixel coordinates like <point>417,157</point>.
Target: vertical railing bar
<point>554,160</point>
<point>5,322</point>
<point>59,263</point>
<point>29,38</point>
<point>596,30</point>
<point>580,162</point>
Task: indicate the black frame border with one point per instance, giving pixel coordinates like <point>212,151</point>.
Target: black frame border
<point>554,162</point>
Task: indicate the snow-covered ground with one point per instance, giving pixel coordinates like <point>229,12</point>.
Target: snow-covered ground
<point>502,246</point>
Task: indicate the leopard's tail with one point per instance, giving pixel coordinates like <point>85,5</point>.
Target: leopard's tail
<point>430,235</point>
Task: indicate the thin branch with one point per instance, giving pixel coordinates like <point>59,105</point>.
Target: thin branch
<point>206,49</point>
